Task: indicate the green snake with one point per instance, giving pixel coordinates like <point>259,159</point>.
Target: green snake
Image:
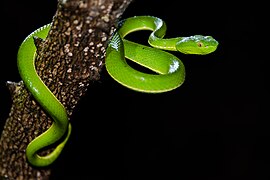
<point>169,73</point>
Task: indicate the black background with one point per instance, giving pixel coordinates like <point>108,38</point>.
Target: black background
<point>214,126</point>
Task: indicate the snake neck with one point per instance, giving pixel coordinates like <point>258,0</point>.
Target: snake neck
<point>154,24</point>
<point>164,44</point>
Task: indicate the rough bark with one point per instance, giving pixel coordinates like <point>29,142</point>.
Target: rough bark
<point>68,60</point>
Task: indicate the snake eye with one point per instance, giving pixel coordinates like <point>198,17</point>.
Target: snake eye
<point>200,44</point>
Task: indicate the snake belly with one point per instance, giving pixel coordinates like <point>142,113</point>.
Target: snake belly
<point>61,126</point>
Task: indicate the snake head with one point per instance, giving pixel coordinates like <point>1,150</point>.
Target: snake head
<point>197,44</point>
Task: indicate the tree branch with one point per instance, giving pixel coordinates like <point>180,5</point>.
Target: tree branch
<point>68,60</point>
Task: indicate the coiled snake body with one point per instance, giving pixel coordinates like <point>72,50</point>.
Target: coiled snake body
<point>170,73</point>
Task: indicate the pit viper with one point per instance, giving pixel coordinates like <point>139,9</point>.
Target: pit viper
<point>168,73</point>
